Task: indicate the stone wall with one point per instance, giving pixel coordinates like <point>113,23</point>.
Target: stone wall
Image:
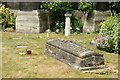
<point>22,5</point>
<point>44,19</point>
<point>101,6</point>
<point>29,6</point>
<point>13,5</point>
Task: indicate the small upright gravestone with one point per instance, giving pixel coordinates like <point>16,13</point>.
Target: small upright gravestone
<point>74,55</point>
<point>67,24</point>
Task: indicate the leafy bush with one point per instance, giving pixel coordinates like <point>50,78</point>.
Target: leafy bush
<point>77,26</point>
<point>85,6</point>
<point>59,6</point>
<point>110,28</point>
<point>59,27</point>
<point>115,7</point>
<point>8,18</point>
<point>58,9</point>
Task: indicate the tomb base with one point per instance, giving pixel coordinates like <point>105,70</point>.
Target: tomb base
<point>28,21</point>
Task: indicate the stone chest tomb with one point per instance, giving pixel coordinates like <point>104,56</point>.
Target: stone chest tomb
<point>74,55</point>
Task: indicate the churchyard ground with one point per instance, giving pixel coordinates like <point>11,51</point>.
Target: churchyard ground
<point>38,65</point>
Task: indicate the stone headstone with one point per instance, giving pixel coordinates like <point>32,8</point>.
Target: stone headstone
<point>67,24</point>
<point>74,55</point>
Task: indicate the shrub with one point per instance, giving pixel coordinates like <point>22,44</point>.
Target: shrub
<point>59,6</point>
<point>115,7</point>
<point>8,18</point>
<point>108,27</point>
<point>77,26</point>
<point>59,27</point>
<point>109,33</point>
<point>58,9</point>
<point>85,7</point>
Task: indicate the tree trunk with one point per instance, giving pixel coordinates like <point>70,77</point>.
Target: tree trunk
<point>85,21</point>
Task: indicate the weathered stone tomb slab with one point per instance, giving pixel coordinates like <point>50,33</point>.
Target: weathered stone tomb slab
<point>73,54</point>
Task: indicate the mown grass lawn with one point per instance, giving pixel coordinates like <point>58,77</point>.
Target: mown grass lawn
<point>39,65</point>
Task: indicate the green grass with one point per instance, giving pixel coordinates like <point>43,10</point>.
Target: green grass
<point>39,65</point>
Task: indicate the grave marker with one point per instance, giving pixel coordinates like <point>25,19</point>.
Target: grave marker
<point>67,24</point>
<point>74,55</point>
